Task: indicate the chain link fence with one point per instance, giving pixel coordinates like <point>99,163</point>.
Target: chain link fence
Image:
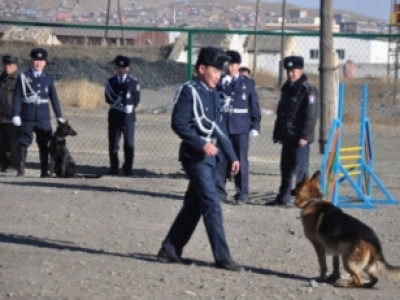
<point>80,57</point>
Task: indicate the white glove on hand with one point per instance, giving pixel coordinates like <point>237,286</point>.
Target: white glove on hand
<point>61,120</point>
<point>226,79</point>
<point>128,109</point>
<point>16,121</point>
<point>253,132</point>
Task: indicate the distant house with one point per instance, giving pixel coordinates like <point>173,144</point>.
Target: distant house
<point>269,51</point>
<point>369,57</point>
<point>225,41</point>
<point>39,35</point>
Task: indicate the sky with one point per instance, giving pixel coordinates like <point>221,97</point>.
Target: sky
<point>379,9</point>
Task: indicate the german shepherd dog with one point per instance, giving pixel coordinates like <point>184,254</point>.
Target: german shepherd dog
<point>331,231</point>
<point>62,163</point>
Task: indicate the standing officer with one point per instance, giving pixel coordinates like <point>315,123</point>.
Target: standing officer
<point>194,119</point>
<point>294,126</point>
<point>242,116</point>
<point>8,132</point>
<point>122,93</point>
<point>35,88</point>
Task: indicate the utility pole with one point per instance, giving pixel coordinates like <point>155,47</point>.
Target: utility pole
<point>108,20</point>
<point>280,80</point>
<point>120,22</point>
<point>255,39</point>
<point>326,72</point>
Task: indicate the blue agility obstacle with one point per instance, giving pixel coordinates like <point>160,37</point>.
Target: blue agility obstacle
<point>352,164</point>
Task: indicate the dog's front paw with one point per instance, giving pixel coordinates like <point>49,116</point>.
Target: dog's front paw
<point>321,279</point>
<point>333,278</point>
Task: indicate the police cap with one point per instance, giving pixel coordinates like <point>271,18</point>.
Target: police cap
<point>122,61</point>
<point>213,56</point>
<point>38,54</point>
<point>235,57</point>
<point>9,59</point>
<point>293,62</point>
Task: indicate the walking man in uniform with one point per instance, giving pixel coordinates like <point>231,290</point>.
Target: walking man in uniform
<point>294,126</point>
<point>122,93</point>
<point>194,119</point>
<point>8,132</point>
<point>34,89</point>
<point>241,112</point>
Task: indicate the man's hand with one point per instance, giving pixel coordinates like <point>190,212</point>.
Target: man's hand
<point>210,149</point>
<point>235,167</point>
<point>254,132</point>
<point>303,142</point>
<point>16,120</point>
<point>128,109</point>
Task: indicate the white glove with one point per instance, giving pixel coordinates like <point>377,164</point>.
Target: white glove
<point>16,120</point>
<point>61,120</point>
<point>128,108</point>
<point>226,79</point>
<point>254,132</point>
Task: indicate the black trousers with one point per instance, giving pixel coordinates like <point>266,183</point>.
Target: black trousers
<point>8,145</point>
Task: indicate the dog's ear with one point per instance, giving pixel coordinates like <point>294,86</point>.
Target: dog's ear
<point>316,176</point>
<point>299,185</point>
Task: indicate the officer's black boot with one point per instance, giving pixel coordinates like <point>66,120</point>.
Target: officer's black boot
<point>44,162</point>
<point>113,164</point>
<point>127,167</point>
<point>22,151</point>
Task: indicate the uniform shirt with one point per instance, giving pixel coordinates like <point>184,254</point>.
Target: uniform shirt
<point>244,97</point>
<point>185,126</point>
<point>7,87</point>
<point>297,112</point>
<point>44,87</point>
<point>118,95</point>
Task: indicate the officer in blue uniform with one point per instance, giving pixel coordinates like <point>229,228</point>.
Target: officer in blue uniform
<point>8,132</point>
<point>241,112</point>
<point>33,92</point>
<point>122,93</point>
<point>294,128</point>
<point>195,120</point>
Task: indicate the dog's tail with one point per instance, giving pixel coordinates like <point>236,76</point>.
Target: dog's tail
<point>388,270</point>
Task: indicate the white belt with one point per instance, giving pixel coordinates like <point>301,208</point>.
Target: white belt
<point>240,110</point>
<point>36,101</point>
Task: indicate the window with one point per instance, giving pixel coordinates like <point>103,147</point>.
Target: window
<point>341,53</point>
<point>314,54</point>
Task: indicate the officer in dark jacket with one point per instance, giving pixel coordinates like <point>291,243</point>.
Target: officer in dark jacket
<point>33,92</point>
<point>8,132</point>
<point>241,112</point>
<point>195,120</point>
<point>294,126</point>
<point>122,93</point>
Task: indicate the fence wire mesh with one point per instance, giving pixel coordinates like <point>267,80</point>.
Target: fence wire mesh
<point>81,59</point>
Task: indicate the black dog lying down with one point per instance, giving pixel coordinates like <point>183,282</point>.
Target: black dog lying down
<point>62,163</point>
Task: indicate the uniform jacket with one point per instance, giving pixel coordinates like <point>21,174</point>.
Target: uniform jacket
<point>244,96</point>
<point>184,123</point>
<point>7,87</point>
<point>119,95</point>
<point>297,112</point>
<point>44,87</point>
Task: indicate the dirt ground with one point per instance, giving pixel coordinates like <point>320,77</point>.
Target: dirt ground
<point>97,239</point>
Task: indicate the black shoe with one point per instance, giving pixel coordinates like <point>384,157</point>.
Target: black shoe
<point>229,265</point>
<point>242,201</point>
<point>167,257</point>
<point>128,174</point>
<point>276,202</point>
<point>44,175</point>
<point>112,172</point>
